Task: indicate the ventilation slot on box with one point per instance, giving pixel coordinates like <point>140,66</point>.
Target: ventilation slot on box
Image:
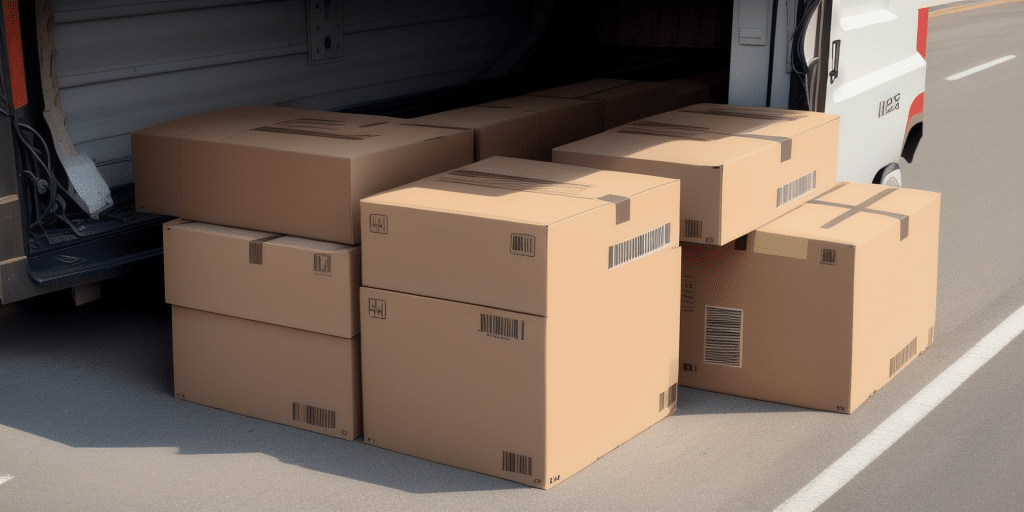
<point>509,328</point>
<point>313,415</point>
<point>667,398</point>
<point>795,189</point>
<point>644,244</point>
<point>516,463</point>
<point>723,331</point>
<point>902,357</point>
<point>692,229</point>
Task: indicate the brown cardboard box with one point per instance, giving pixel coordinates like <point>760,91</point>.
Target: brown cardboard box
<point>517,396</point>
<point>821,307</point>
<point>496,132</point>
<point>740,167</point>
<point>515,234</point>
<point>289,376</point>
<point>562,120</point>
<point>689,92</point>
<point>618,101</point>
<point>288,171</point>
<point>283,280</point>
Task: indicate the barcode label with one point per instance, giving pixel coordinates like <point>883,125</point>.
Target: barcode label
<point>523,245</point>
<point>723,336</point>
<point>668,397</point>
<point>499,326</point>
<point>828,256</point>
<point>692,228</point>
<point>516,463</point>
<point>313,415</point>
<point>688,292</point>
<point>795,188</point>
<point>902,357</point>
<point>636,247</point>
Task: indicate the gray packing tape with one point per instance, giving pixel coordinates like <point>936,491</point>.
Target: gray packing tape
<point>621,207</point>
<point>256,249</point>
<point>668,130</point>
<point>863,207</point>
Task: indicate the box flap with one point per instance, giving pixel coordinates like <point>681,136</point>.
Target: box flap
<point>517,190</point>
<point>467,118</point>
<point>679,145</point>
<point>759,120</point>
<point>581,89</point>
<point>854,213</point>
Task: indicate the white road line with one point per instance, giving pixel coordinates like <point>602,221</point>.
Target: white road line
<point>975,69</point>
<point>5,478</point>
<point>889,431</point>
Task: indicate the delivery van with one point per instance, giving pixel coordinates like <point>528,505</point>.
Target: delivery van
<point>79,76</point>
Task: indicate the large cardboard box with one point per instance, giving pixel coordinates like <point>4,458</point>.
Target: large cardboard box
<point>288,171</point>
<point>514,234</point>
<point>289,376</point>
<point>496,132</point>
<point>283,280</point>
<point>562,120</point>
<point>821,307</point>
<point>618,101</point>
<point>740,167</point>
<point>518,396</point>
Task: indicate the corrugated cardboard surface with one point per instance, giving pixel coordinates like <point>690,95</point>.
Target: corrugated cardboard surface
<point>286,171</point>
<point>689,92</point>
<point>734,166</point>
<point>517,396</point>
<point>283,280</point>
<point>831,302</point>
<point>497,232</point>
<point>496,132</point>
<point>618,101</point>
<point>289,376</point>
<point>562,120</point>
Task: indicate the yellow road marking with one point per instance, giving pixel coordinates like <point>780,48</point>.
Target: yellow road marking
<point>963,8</point>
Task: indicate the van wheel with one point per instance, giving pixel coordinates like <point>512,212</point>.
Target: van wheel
<point>890,176</point>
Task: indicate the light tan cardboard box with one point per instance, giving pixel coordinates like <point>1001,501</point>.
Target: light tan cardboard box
<point>288,171</point>
<point>517,396</point>
<point>516,234</point>
<point>283,280</point>
<point>289,376</point>
<point>562,120</point>
<point>740,167</point>
<point>821,307</point>
<point>618,101</point>
<point>496,132</point>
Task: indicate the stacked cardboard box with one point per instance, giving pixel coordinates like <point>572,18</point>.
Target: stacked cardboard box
<point>264,276</point>
<point>496,132</point>
<point>534,329</point>
<point>794,289</point>
<point>618,101</point>
<point>562,120</point>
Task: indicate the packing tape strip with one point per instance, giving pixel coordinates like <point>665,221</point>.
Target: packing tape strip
<point>669,130</point>
<point>621,207</point>
<point>256,249</point>
<point>863,207</point>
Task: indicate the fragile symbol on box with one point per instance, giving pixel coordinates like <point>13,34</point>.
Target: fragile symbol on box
<point>379,224</point>
<point>322,264</point>
<point>378,308</point>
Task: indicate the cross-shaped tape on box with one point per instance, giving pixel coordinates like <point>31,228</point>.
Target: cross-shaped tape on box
<point>863,207</point>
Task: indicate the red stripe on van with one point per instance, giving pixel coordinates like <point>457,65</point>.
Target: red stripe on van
<point>916,107</point>
<point>922,31</point>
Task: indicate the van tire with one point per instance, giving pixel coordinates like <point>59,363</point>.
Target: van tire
<point>890,176</point>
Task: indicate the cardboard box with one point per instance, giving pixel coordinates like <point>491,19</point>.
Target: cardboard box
<point>562,120</point>
<point>618,101</point>
<point>283,280</point>
<point>288,171</point>
<point>289,376</point>
<point>529,399</point>
<point>689,92</point>
<point>516,234</point>
<point>496,132</point>
<point>819,308</point>
<point>740,167</point>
